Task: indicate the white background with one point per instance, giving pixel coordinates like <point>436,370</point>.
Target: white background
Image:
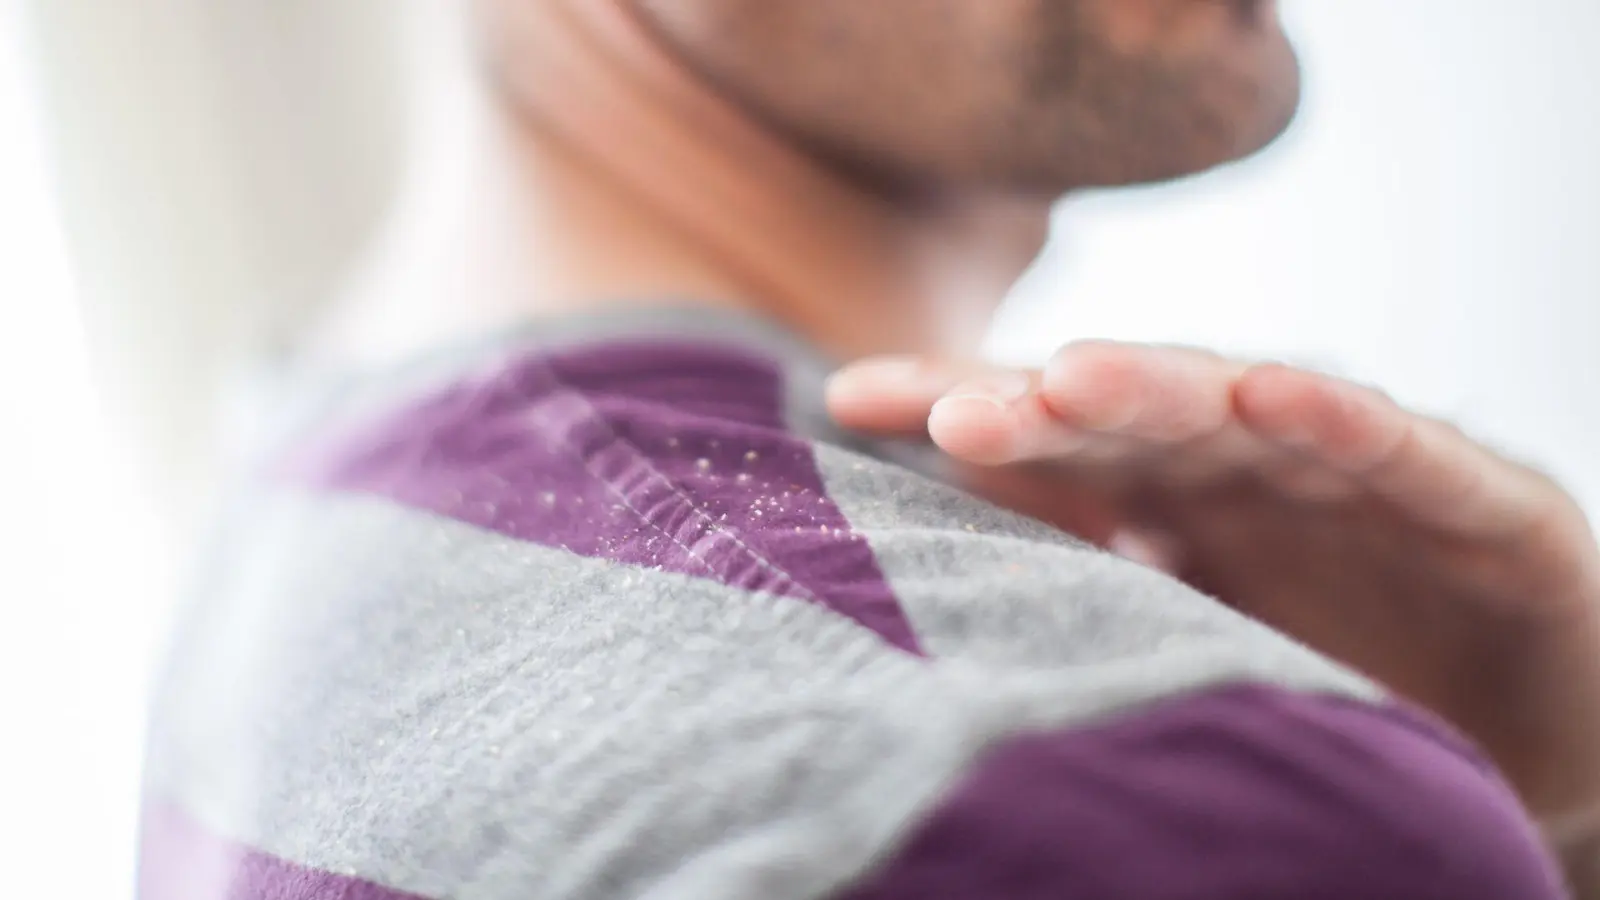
<point>1432,224</point>
<point>80,561</point>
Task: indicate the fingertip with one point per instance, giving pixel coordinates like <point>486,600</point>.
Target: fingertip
<point>976,429</point>
<point>888,374</point>
<point>1097,385</point>
<point>856,410</point>
<point>891,394</point>
<point>1270,400</point>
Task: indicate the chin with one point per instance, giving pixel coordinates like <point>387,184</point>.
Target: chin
<point>1224,119</point>
<point>1260,125</point>
<point>1258,93</point>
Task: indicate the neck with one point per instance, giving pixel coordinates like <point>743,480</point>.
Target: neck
<point>605,174</point>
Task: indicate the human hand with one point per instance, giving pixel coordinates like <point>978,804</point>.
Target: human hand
<point>1387,540</point>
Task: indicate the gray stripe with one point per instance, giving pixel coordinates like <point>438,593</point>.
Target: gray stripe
<point>453,713</point>
<point>1022,600</point>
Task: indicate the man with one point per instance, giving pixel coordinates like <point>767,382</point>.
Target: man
<point>608,605</point>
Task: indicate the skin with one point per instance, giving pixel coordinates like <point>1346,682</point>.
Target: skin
<point>1385,539</point>
<point>876,175</point>
<point>1395,543</point>
<point>1088,92</point>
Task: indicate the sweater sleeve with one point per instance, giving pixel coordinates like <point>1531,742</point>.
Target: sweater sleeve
<point>1233,794</point>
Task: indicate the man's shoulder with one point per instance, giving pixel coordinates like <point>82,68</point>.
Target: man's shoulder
<point>618,625</point>
<point>671,455</point>
<point>681,456</point>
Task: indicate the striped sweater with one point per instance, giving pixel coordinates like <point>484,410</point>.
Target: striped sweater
<point>610,610</point>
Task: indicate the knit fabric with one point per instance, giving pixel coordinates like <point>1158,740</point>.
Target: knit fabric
<point>610,611</point>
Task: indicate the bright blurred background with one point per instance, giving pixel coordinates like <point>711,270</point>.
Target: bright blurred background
<point>180,179</point>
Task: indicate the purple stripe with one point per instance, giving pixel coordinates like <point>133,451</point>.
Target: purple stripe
<point>658,454</point>
<point>1240,794</point>
<point>181,860</point>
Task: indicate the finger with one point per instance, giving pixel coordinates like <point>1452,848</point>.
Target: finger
<point>891,395</point>
<point>1218,457</point>
<point>1178,398</point>
<point>1329,420</point>
<point>1445,477</point>
<point>1296,477</point>
<point>1165,394</point>
<point>1104,403</point>
<point>1000,418</point>
<point>1425,467</point>
<point>997,418</point>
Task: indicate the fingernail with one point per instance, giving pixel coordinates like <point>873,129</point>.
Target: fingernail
<point>898,374</point>
<point>1001,389</point>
